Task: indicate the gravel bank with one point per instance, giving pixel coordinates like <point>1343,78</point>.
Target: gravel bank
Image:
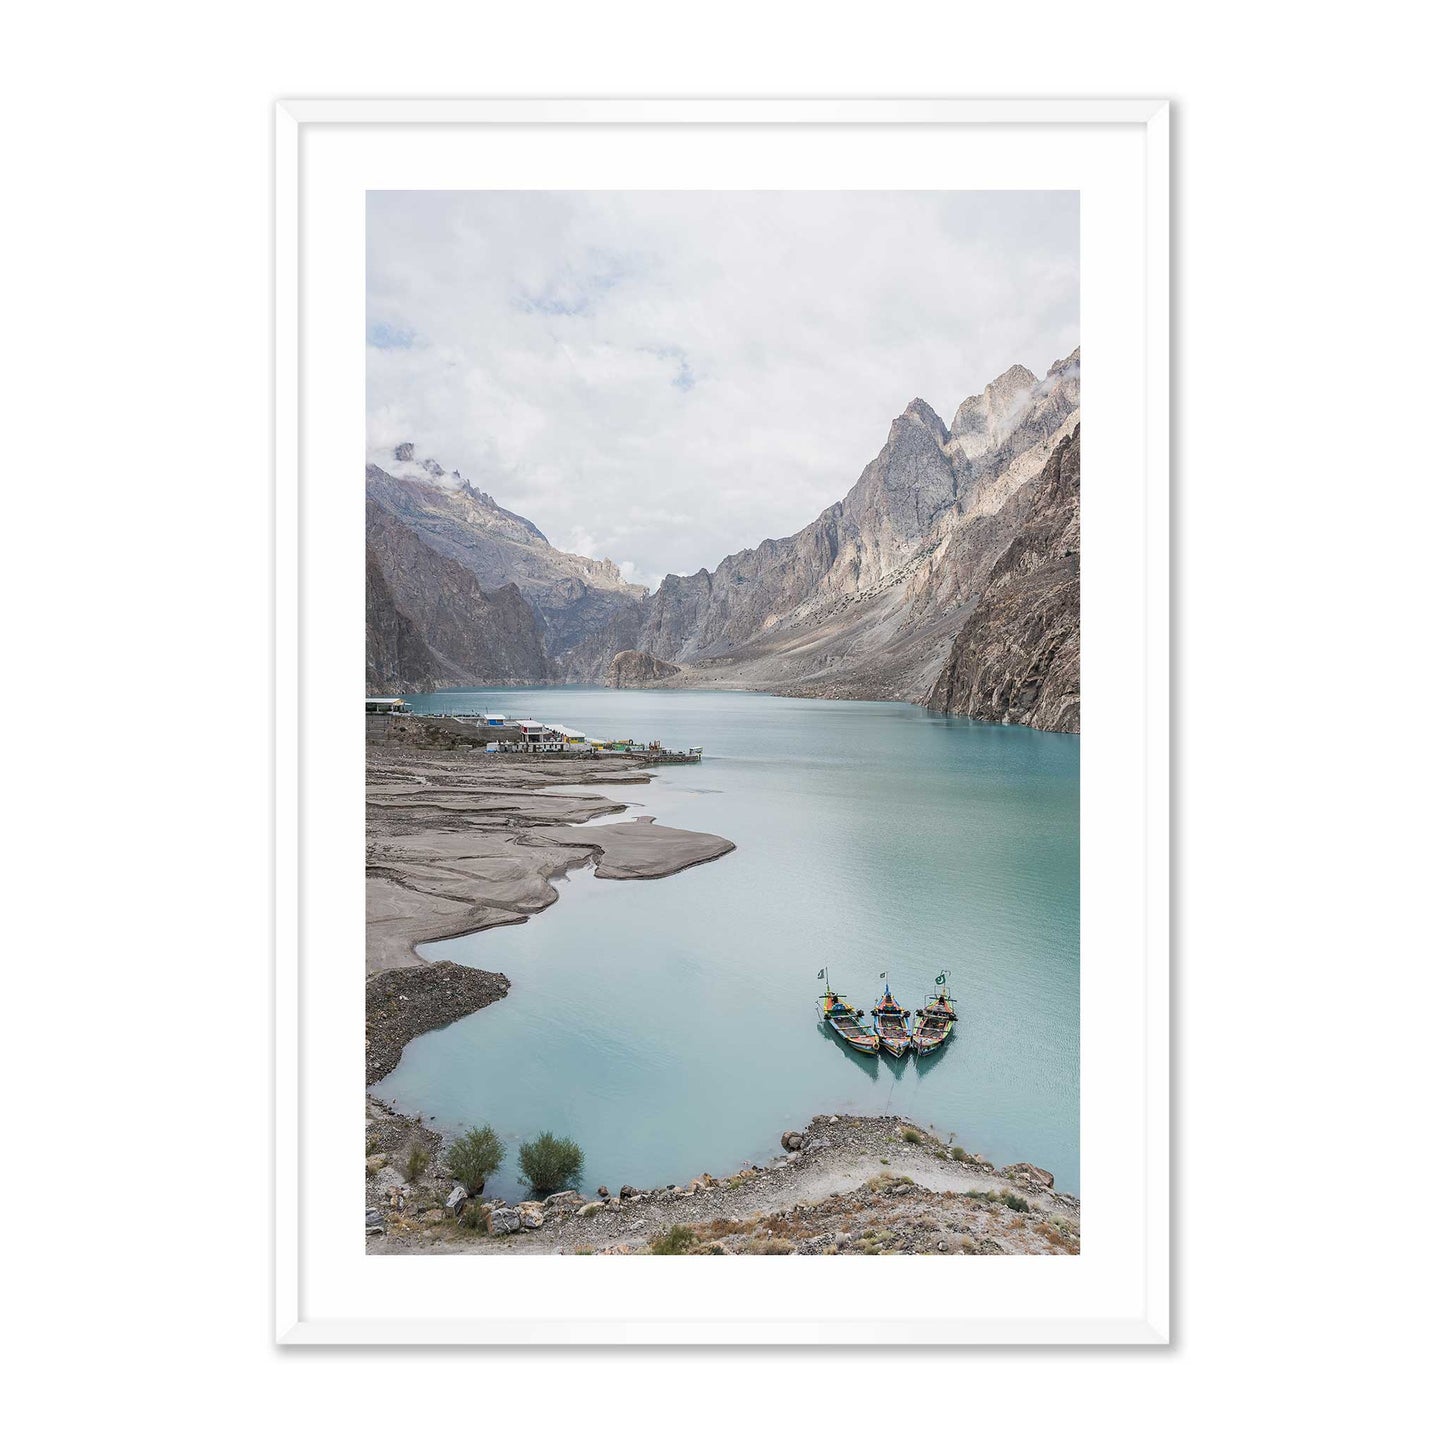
<point>404,1002</point>
<point>843,1185</point>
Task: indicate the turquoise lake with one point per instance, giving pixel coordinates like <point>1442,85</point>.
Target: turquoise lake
<point>671,1026</point>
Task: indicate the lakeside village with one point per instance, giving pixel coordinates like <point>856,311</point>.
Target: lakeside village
<point>502,734</point>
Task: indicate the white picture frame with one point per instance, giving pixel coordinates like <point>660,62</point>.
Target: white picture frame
<point>327,153</point>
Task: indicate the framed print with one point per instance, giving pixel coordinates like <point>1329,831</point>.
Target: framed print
<point>739,913</point>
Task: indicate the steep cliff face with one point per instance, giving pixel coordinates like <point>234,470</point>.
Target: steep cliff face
<point>431,623</point>
<point>397,659</point>
<point>1016,657</point>
<point>638,669</point>
<point>573,596</point>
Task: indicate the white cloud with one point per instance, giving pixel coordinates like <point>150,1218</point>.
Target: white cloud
<point>674,376</point>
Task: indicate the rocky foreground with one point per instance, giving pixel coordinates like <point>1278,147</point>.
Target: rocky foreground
<point>843,1185</point>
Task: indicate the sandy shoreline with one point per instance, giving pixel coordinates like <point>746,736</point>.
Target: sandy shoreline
<point>459,840</point>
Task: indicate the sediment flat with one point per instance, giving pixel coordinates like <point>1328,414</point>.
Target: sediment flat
<point>459,840</point>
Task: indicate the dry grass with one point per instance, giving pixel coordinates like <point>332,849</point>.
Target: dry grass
<point>767,1244</point>
<point>880,1182</point>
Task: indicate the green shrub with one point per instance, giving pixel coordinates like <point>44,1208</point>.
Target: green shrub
<point>960,1154</point>
<point>1016,1202</point>
<point>474,1158</point>
<point>416,1163</point>
<point>911,1136</point>
<point>550,1164</point>
<point>678,1240</point>
<point>475,1216</point>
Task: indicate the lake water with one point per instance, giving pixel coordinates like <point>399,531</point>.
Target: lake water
<point>670,1026</point>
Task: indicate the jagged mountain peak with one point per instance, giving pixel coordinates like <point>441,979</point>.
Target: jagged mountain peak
<point>1067,363</point>
<point>999,396</point>
<point>919,410</point>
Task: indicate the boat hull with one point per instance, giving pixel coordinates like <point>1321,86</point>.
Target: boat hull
<point>866,1044</point>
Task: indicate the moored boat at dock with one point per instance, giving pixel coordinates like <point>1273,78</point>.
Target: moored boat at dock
<point>845,1020</point>
<point>934,1025</point>
<point>891,1020</point>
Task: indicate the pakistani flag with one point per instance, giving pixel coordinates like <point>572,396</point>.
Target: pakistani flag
<point>820,973</point>
<point>941,977</point>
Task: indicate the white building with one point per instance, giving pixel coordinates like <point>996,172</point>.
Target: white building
<point>537,737</point>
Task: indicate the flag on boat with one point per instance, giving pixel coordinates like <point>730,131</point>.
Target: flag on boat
<point>820,973</point>
<point>940,979</point>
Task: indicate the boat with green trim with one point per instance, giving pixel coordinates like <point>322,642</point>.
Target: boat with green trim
<point>891,1021</point>
<point>844,1019</point>
<point>934,1026</point>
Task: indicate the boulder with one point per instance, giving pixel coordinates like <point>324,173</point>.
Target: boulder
<point>504,1221</point>
<point>456,1199</point>
<point>629,1191</point>
<point>588,1210</point>
<point>531,1214</point>
<point>1030,1174</point>
<point>793,1141</point>
<point>388,1178</point>
<point>563,1198</point>
<point>373,1218</point>
<point>603,1192</point>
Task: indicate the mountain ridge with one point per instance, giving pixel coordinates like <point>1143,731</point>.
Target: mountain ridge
<point>866,600</point>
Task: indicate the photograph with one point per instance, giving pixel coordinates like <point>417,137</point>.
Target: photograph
<point>722,723</point>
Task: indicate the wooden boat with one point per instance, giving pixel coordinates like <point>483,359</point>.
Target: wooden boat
<point>892,1023</point>
<point>934,1025</point>
<point>845,1020</point>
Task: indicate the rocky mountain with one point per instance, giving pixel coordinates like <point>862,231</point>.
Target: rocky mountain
<point>430,623</point>
<point>918,584</point>
<point>573,596</point>
<point>638,669</point>
<point>866,600</point>
<point>1016,658</point>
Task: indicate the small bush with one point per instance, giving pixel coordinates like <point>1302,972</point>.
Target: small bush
<point>474,1158</point>
<point>879,1182</point>
<point>911,1136</point>
<point>550,1164</point>
<point>959,1154</point>
<point>1013,1201</point>
<point>766,1244</point>
<point>475,1216</point>
<point>416,1163</point>
<point>678,1240</point>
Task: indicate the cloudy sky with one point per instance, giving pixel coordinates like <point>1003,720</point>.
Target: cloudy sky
<point>666,377</point>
